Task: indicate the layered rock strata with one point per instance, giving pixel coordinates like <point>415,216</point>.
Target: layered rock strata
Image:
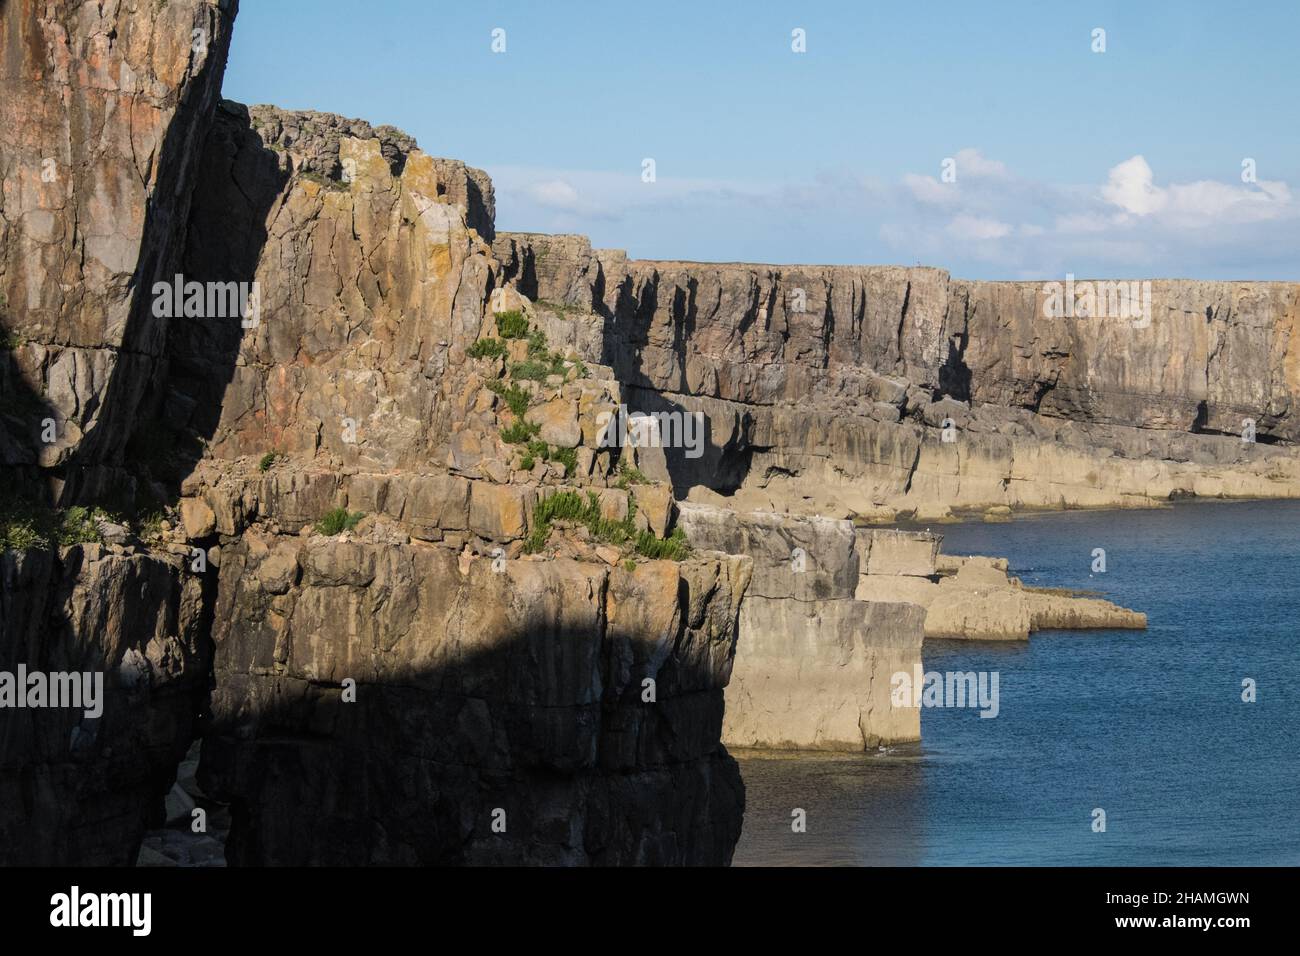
<point>82,784</point>
<point>973,598</point>
<point>554,712</point>
<point>590,714</point>
<point>104,109</point>
<point>419,610</point>
<point>103,113</point>
<point>813,664</point>
<point>828,388</point>
<point>835,611</point>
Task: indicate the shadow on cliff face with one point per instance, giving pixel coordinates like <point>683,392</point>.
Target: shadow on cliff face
<point>94,471</point>
<point>164,399</point>
<point>415,772</point>
<point>412,775</point>
<point>25,418</point>
<point>80,784</point>
<point>493,718</point>
<point>239,181</point>
<point>726,454</point>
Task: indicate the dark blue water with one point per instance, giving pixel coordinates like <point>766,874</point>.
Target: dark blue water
<point>1148,726</point>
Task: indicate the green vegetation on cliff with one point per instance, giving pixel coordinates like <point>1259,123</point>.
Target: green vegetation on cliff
<point>585,510</point>
<point>24,525</point>
<point>338,520</point>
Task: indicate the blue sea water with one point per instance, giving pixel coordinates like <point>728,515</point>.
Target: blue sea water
<point>1149,726</point>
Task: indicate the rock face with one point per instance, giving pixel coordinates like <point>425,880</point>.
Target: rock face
<point>827,388</point>
<point>496,717</point>
<point>103,113</point>
<point>975,599</point>
<point>365,286</point>
<point>578,691</point>
<point>80,788</point>
<point>378,280</point>
<point>813,664</point>
<point>834,612</point>
<point>417,604</point>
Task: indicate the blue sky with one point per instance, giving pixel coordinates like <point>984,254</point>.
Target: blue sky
<point>1126,163</point>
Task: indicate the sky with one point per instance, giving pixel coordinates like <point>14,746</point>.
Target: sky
<point>994,140</point>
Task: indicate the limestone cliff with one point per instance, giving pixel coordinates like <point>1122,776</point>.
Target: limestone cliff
<point>78,787</point>
<point>499,717</point>
<point>836,611</point>
<point>826,388</point>
<point>103,112</point>
<point>482,682</point>
<point>367,536</point>
<point>813,663</point>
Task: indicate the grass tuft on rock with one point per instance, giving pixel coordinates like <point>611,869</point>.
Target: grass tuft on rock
<point>629,475</point>
<point>573,506</point>
<point>519,432</point>
<point>568,457</point>
<point>512,324</point>
<point>517,399</point>
<point>337,520</point>
<point>24,524</point>
<point>325,182</point>
<point>486,348</point>
<point>672,548</point>
<point>22,527</point>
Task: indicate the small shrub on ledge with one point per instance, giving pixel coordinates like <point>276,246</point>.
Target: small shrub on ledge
<point>585,510</point>
<point>519,432</point>
<point>24,525</point>
<point>517,399</point>
<point>630,475</point>
<point>338,520</point>
<point>672,548</point>
<point>512,324</point>
<point>486,348</point>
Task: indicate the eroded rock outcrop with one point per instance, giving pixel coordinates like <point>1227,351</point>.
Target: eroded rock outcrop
<point>836,611</point>
<point>973,598</point>
<point>590,709</point>
<point>813,664</point>
<point>827,389</point>
<point>445,620</point>
<point>358,384</point>
<point>104,109</point>
<point>553,712</point>
<point>78,786</point>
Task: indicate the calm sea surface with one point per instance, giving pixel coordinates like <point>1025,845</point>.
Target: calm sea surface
<point>1149,726</point>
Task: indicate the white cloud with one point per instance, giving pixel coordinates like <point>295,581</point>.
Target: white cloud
<point>1204,203</point>
<point>555,194</point>
<point>927,189</point>
<point>1216,203</point>
<point>991,223</point>
<point>973,163</point>
<point>1132,187</point>
<point>977,228</point>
